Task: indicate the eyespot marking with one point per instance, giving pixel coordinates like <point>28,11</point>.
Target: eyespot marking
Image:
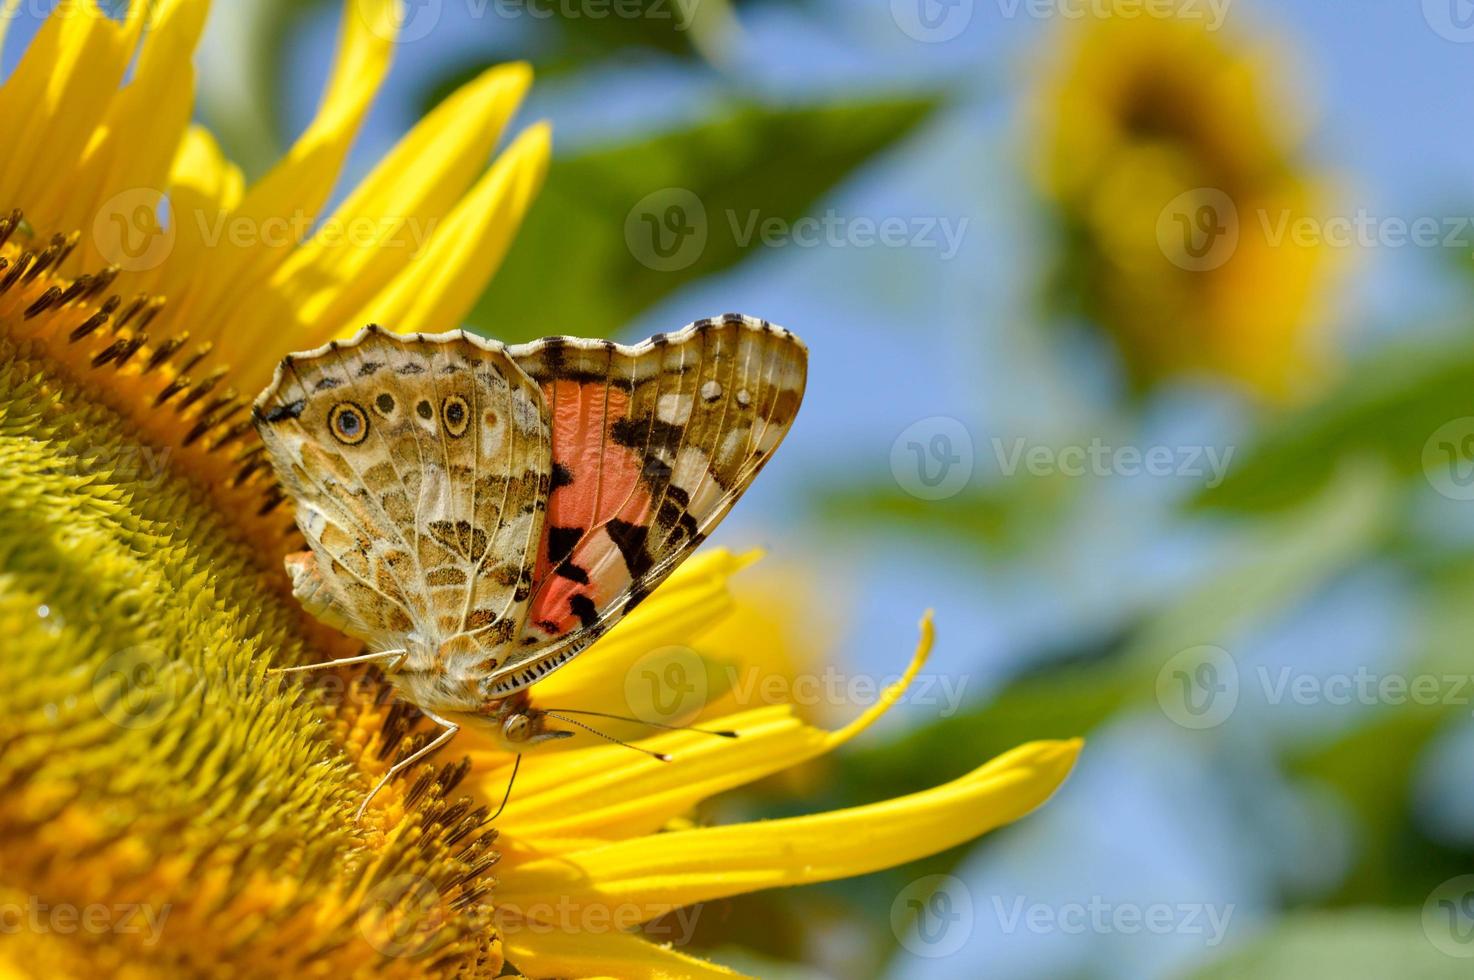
<point>456,415</point>
<point>348,423</point>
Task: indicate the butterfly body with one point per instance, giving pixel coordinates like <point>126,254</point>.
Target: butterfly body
<point>485,512</point>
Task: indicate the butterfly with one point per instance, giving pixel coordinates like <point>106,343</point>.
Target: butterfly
<point>479,514</point>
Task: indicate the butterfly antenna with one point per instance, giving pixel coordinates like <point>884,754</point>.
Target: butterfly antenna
<point>723,733</point>
<point>573,721</point>
<point>508,794</point>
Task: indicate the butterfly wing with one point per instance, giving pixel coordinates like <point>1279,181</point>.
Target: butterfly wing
<point>652,445</point>
<point>419,467</point>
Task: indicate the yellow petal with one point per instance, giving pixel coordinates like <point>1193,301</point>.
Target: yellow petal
<point>437,289</point>
<point>129,160</point>
<point>613,793</point>
<point>538,951</point>
<point>59,92</point>
<point>398,205</point>
<point>671,870</point>
<point>276,213</point>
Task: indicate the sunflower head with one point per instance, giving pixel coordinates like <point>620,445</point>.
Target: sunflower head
<point>1170,158</point>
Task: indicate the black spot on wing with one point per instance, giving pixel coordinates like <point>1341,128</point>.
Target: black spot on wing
<point>637,433</point>
<point>561,541</point>
<point>562,477</point>
<point>572,572</point>
<point>630,540</point>
<point>583,607</point>
<point>290,410</point>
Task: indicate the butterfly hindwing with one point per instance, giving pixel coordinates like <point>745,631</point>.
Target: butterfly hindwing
<point>420,468</point>
<point>651,446</point>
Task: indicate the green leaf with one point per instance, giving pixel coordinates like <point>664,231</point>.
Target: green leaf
<point>1370,944</point>
<point>1387,407</point>
<point>617,229</point>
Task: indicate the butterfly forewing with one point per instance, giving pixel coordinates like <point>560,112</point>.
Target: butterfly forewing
<point>419,467</point>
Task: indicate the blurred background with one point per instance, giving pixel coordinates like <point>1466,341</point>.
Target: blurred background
<point>1140,351</point>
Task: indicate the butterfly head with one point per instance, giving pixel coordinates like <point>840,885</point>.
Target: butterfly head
<point>514,724</point>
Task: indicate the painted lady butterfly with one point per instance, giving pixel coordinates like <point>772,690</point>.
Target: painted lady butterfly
<point>479,514</point>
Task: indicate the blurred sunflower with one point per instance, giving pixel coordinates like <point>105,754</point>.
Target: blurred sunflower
<point>166,809</point>
<point>1169,159</point>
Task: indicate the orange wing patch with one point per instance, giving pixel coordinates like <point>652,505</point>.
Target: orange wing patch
<point>652,445</point>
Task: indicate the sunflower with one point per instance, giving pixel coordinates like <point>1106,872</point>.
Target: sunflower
<point>1171,162</point>
<point>167,808</point>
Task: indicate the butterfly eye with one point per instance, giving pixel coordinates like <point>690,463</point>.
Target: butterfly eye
<point>348,423</point>
<point>456,415</point>
<point>516,728</point>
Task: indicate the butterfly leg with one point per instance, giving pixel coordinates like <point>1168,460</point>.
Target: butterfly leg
<point>449,733</point>
<point>398,656</point>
